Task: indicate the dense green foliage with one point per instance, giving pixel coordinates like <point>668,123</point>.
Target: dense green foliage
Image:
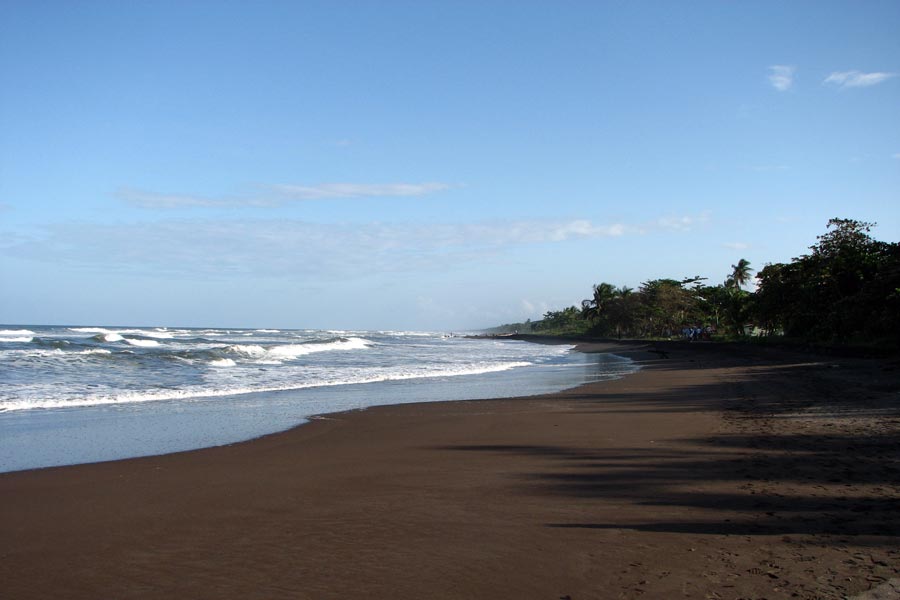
<point>846,290</point>
<point>663,308</point>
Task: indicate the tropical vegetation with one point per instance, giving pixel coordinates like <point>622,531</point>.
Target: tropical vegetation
<point>846,290</point>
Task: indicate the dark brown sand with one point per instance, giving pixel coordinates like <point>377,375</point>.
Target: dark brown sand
<point>714,473</point>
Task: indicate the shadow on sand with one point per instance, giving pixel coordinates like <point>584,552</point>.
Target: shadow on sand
<point>837,475</point>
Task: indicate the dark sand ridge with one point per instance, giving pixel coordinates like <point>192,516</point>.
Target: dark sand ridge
<point>715,473</point>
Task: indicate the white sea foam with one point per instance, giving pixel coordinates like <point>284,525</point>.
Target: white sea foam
<point>409,333</point>
<point>176,333</point>
<point>55,353</point>
<point>244,380</point>
<point>292,350</point>
<point>268,330</point>
<point>15,332</point>
<point>246,350</point>
<point>34,353</point>
<point>103,331</point>
<point>223,362</point>
<point>153,333</point>
<point>273,361</point>
<point>49,402</point>
<point>142,343</point>
<point>15,339</point>
<point>288,351</point>
<point>109,337</point>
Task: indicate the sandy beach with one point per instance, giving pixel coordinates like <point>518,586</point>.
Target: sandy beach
<point>714,472</point>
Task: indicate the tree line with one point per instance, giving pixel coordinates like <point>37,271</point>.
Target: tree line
<point>846,290</point>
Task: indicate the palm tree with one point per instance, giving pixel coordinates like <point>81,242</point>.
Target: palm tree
<point>603,293</point>
<point>622,308</point>
<point>736,307</point>
<point>592,307</point>
<point>740,273</point>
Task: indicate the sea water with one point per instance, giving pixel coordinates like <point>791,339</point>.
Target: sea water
<point>72,395</point>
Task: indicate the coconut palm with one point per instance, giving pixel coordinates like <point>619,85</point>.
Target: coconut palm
<point>592,307</point>
<point>740,273</point>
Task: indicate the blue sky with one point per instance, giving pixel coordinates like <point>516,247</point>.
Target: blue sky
<point>425,165</point>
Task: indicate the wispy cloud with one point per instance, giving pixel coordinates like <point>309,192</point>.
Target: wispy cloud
<point>682,223</point>
<point>220,248</point>
<point>781,77</point>
<point>153,200</point>
<point>269,195</point>
<point>767,168</point>
<point>846,79</point>
<point>736,245</point>
<point>896,155</point>
<point>356,190</point>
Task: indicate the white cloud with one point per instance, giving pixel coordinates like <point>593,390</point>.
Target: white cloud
<point>767,168</point>
<point>845,79</point>
<point>683,223</point>
<point>781,77</point>
<point>736,245</point>
<point>144,199</point>
<point>356,190</point>
<point>311,252</point>
<point>281,248</point>
<point>568,230</point>
<point>278,194</point>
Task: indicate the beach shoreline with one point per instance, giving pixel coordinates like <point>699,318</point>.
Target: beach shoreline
<point>198,389</point>
<point>710,471</point>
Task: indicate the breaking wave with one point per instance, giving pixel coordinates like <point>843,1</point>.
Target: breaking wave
<point>190,394</point>
<point>288,351</point>
<point>68,367</point>
<point>15,332</point>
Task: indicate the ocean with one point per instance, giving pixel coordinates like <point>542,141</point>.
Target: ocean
<point>77,394</point>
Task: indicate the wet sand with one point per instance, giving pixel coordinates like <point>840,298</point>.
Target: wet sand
<point>717,472</point>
